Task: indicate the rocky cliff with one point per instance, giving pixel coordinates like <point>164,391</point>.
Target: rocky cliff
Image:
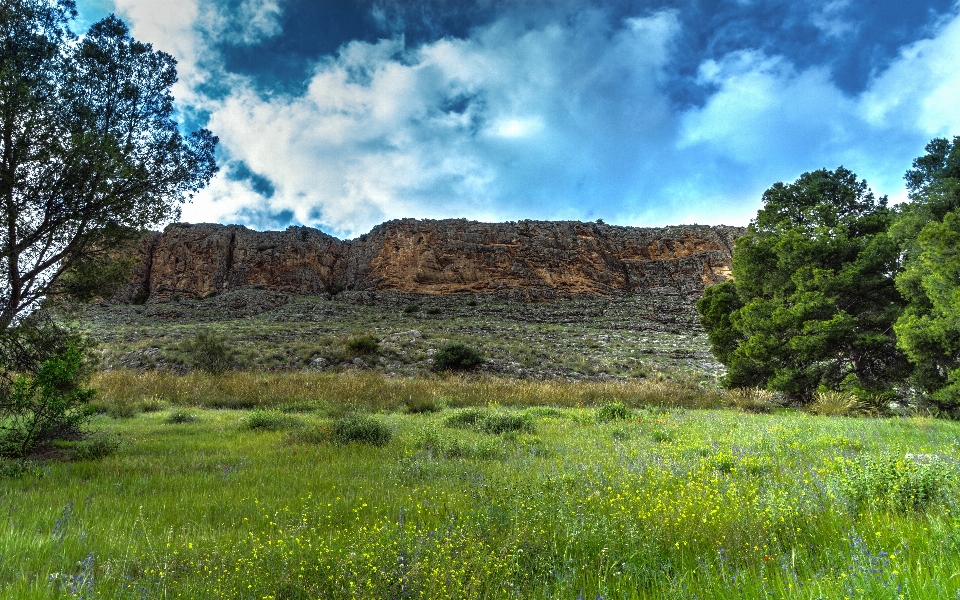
<point>525,259</point>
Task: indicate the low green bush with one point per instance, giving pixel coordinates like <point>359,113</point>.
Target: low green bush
<point>456,356</point>
<point>180,416</point>
<point>362,345</point>
<point>490,421</point>
<point>208,351</point>
<point>97,446</point>
<point>268,420</point>
<point>612,411</point>
<point>420,404</point>
<point>914,482</point>
<point>360,429</point>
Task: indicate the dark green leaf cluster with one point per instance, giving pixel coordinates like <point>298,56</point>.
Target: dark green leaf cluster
<point>89,152</point>
<point>457,356</point>
<point>928,231</point>
<point>812,301</point>
<point>45,406</point>
<point>833,290</point>
<point>361,429</point>
<point>208,351</point>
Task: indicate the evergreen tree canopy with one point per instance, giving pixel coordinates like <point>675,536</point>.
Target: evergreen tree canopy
<point>812,301</point>
<point>928,230</point>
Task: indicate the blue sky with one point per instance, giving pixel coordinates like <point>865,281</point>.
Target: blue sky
<point>343,114</point>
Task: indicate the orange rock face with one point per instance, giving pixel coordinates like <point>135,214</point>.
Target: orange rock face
<point>533,258</point>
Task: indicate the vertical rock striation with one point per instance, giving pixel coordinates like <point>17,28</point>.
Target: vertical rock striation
<point>526,259</point>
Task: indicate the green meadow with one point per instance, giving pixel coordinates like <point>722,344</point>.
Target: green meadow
<point>294,486</point>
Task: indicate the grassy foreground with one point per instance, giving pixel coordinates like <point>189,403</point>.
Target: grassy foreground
<point>578,498</point>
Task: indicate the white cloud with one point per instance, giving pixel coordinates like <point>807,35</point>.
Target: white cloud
<point>832,20</point>
<point>501,123</point>
<point>773,120</point>
<point>921,88</point>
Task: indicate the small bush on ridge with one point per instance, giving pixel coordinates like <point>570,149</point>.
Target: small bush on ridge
<point>362,345</point>
<point>180,416</point>
<point>208,351</point>
<point>456,356</point>
<point>97,446</point>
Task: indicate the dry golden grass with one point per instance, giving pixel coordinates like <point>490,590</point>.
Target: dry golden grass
<point>372,391</point>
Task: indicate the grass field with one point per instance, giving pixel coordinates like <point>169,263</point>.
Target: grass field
<point>477,488</point>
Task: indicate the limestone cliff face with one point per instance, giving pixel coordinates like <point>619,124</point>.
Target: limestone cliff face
<point>534,258</point>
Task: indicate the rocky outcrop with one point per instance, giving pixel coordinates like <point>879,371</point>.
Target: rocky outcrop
<point>529,259</point>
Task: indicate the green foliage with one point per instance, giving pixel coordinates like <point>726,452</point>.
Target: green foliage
<point>180,416</point>
<point>361,429</point>
<point>928,231</point>
<point>97,276</point>
<point>612,411</point>
<point>362,345</point>
<point>98,156</point>
<point>208,351</point>
<point>45,406</point>
<point>916,482</point>
<point>490,421</point>
<point>754,400</point>
<point>829,403</point>
<point>456,356</point>
<point>268,420</point>
<point>812,301</point>
<point>96,447</point>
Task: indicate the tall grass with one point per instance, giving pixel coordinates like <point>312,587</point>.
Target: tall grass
<point>664,504</point>
<point>371,391</point>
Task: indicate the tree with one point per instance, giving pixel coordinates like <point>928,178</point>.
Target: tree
<point>90,156</point>
<point>928,231</point>
<point>89,152</point>
<point>812,300</point>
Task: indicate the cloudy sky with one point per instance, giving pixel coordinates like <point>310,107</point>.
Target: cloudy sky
<point>341,114</point>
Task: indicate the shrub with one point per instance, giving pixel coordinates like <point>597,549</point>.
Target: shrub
<point>836,404</point>
<point>209,352</point>
<point>151,404</point>
<point>96,447</point>
<point>914,482</point>
<point>753,400</point>
<point>180,416</point>
<point>363,345</point>
<point>411,308</point>
<point>268,420</point>
<point>360,429</point>
<point>612,411</point>
<point>488,421</point>
<point>504,422</point>
<point>47,406</point>
<point>420,404</point>
<point>434,310</point>
<point>455,356</point>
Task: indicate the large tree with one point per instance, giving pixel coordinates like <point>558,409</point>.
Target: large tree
<point>928,231</point>
<point>812,301</point>
<point>89,157</point>
<point>89,151</point>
